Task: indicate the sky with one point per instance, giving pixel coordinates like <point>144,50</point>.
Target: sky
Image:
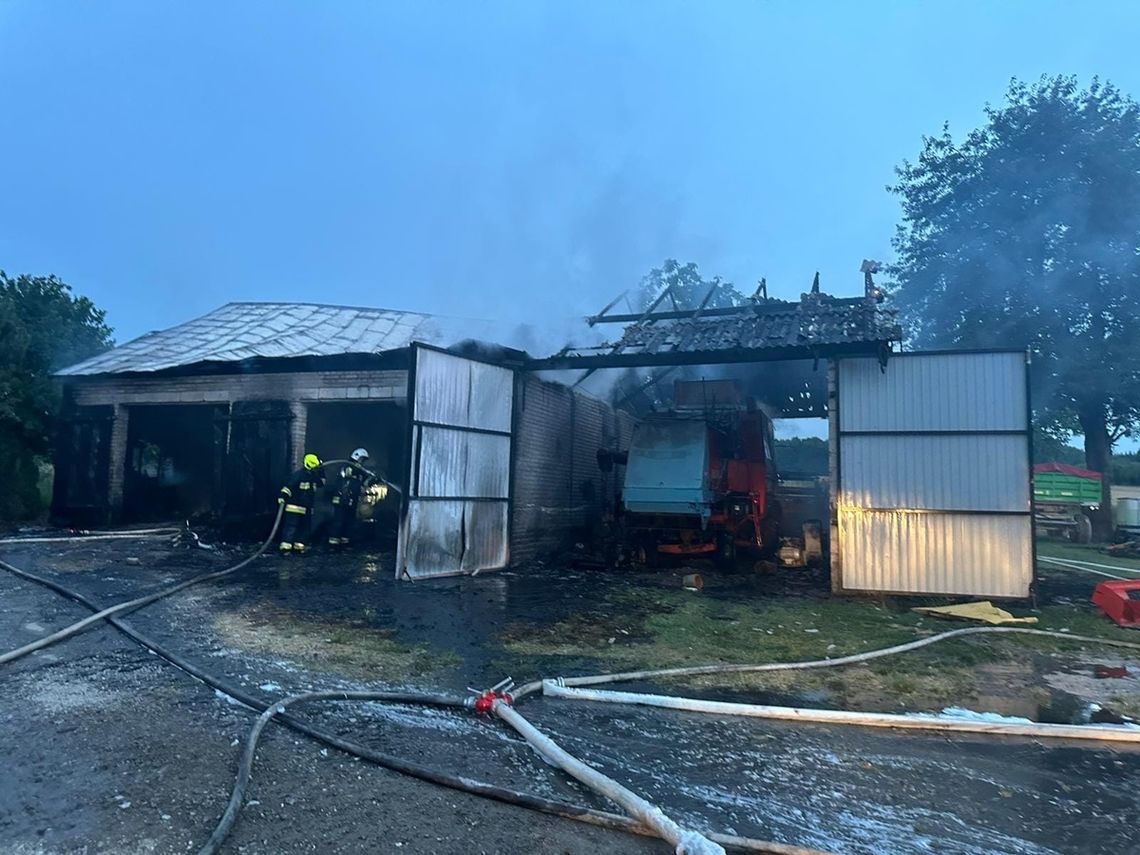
<point>494,160</point>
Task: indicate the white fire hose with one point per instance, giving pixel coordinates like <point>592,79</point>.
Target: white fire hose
<point>683,841</point>
<point>1098,733</point>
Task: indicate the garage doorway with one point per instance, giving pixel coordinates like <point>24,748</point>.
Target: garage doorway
<point>333,430</point>
<point>174,462</point>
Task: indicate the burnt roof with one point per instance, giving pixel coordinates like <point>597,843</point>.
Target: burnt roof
<point>817,325</point>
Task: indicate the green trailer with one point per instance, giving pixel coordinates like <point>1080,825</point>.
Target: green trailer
<point>1063,498</point>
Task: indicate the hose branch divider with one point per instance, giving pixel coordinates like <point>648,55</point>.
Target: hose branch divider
<point>683,841</point>
<point>431,775</point>
<point>137,603</point>
<point>1101,733</point>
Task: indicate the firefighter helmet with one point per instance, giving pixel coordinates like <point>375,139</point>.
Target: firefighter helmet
<point>312,461</point>
<point>360,455</point>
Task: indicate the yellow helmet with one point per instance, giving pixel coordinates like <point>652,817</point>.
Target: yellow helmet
<point>312,461</point>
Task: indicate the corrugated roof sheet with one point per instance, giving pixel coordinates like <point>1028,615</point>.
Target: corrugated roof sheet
<point>817,319</point>
<point>239,331</point>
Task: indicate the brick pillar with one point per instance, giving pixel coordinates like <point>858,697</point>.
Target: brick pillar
<point>298,428</point>
<point>118,461</point>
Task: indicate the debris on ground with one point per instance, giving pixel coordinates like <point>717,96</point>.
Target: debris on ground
<point>1120,601</point>
<point>1128,549</point>
<point>983,612</point>
<point>1108,672</point>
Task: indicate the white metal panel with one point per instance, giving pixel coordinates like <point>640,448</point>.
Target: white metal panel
<point>937,391</point>
<point>920,553</point>
<point>459,483</point>
<point>452,390</point>
<point>443,462</point>
<point>963,472</point>
<point>456,463</point>
<point>934,475</point>
<point>432,544</point>
<point>491,409</point>
<point>488,470</point>
<point>484,525</point>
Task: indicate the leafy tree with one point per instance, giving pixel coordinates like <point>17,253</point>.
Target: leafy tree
<point>1026,233</point>
<point>645,389</point>
<point>1049,449</point>
<point>689,288</point>
<point>43,327</point>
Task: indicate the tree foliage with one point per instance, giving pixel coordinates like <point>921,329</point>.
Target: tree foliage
<point>1026,234</point>
<point>43,327</point>
<point>636,388</point>
<point>688,288</point>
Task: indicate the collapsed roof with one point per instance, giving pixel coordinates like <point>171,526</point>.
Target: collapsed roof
<point>816,326</point>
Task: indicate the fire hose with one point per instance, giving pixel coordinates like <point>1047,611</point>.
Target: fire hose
<point>867,656</point>
<point>553,807</point>
<point>647,816</point>
<point>137,603</point>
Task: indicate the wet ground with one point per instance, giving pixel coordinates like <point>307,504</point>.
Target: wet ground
<point>111,750</point>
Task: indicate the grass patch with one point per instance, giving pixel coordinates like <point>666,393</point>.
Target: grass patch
<point>355,651</point>
<point>660,629</point>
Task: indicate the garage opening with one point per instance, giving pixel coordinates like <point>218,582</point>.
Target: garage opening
<point>766,501</point>
<point>174,462</point>
<point>333,431</point>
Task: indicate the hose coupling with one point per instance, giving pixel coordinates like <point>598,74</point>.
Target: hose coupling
<point>482,702</point>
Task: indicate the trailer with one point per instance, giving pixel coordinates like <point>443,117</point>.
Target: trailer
<point>1063,498</point>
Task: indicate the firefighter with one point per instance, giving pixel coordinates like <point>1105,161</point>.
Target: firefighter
<point>353,481</point>
<point>298,497</point>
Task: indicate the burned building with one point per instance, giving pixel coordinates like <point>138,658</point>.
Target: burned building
<point>208,418</point>
<point>928,483</point>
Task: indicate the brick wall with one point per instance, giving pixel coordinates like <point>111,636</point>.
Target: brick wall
<point>559,491</point>
<point>223,388</point>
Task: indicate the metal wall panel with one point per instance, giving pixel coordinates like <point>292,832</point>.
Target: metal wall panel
<point>457,463</point>
<point>934,475</point>
<point>457,507</point>
<point>963,472</point>
<point>898,552</point>
<point>484,524</point>
<point>943,391</point>
<point>452,390</point>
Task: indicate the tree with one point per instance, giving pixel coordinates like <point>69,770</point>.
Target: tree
<point>43,327</point>
<point>1026,233</point>
<point>644,389</point>
<point>688,288</point>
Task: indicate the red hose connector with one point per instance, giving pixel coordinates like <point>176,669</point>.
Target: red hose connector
<point>485,700</point>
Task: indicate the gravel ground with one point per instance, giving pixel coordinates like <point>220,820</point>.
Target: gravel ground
<point>109,749</point>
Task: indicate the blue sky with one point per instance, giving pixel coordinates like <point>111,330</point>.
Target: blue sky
<point>486,159</point>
